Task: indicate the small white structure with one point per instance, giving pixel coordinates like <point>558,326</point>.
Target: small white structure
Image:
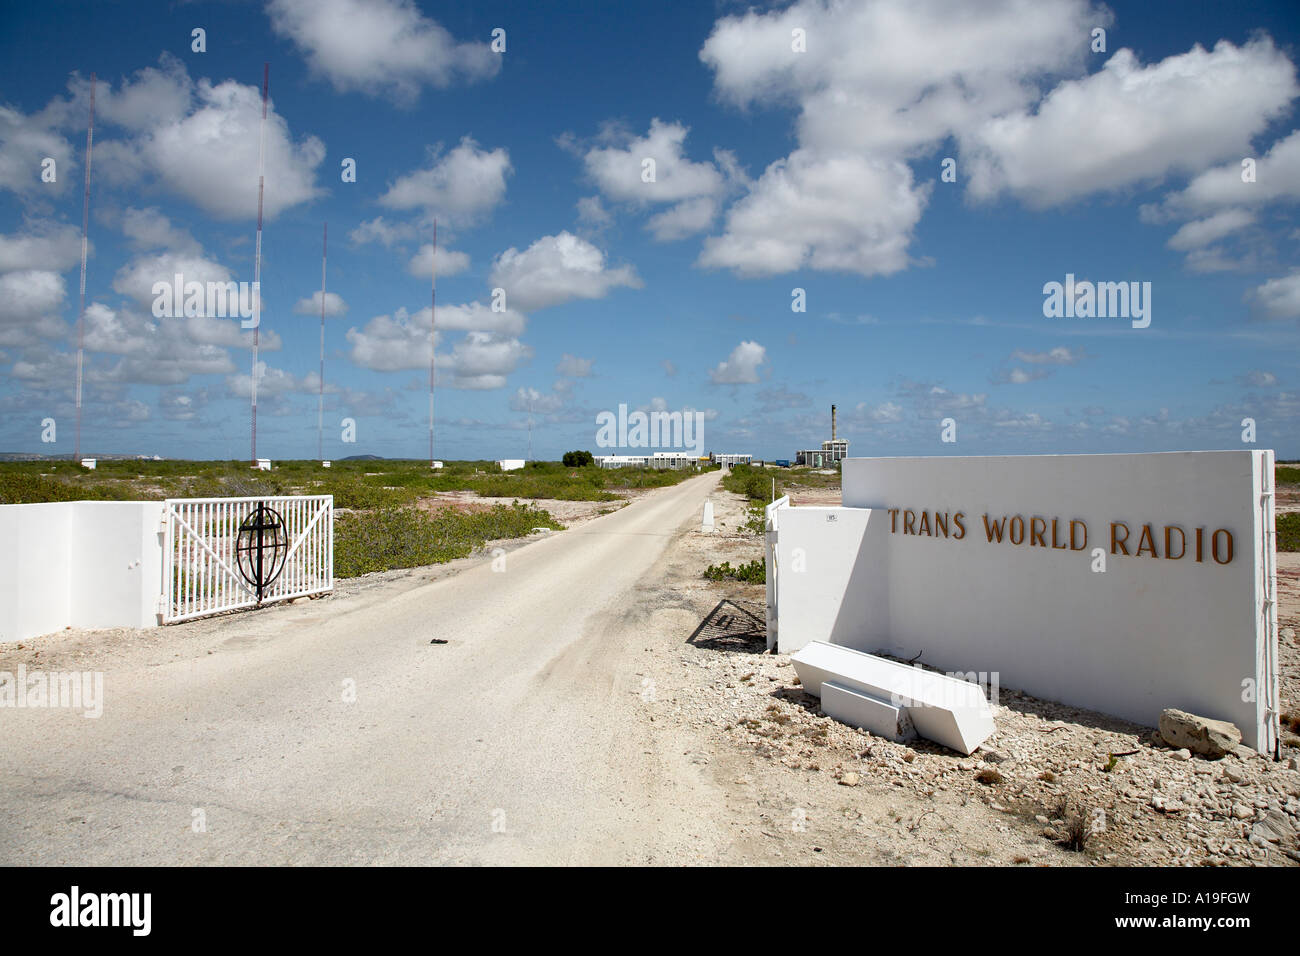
<point>708,516</point>
<point>1124,584</point>
<point>510,464</point>
<point>324,464</point>
<point>263,464</point>
<point>435,465</point>
<point>89,463</point>
<point>728,460</point>
<point>890,699</point>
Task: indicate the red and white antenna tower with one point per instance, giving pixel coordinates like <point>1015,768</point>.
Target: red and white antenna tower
<point>320,400</point>
<point>433,332</point>
<point>81,310</point>
<point>257,252</point>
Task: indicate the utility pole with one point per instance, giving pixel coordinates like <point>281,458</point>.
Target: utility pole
<point>257,253</point>
<point>81,311</point>
<point>320,399</point>
<point>433,332</point>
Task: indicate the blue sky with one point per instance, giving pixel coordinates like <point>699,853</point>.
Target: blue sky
<point>776,169</point>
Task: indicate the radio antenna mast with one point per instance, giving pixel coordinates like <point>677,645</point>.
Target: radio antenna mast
<point>257,253</point>
<point>320,400</point>
<point>81,310</point>
<point>433,332</point>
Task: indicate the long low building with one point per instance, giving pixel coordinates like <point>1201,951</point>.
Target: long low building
<point>660,459</point>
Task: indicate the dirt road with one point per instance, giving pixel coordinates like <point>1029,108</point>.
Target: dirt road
<point>338,733</point>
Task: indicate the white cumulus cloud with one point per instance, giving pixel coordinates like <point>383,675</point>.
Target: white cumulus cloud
<point>557,269</point>
<point>741,367</point>
<point>380,46</point>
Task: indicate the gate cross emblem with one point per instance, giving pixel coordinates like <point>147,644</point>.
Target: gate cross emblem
<point>261,548</point>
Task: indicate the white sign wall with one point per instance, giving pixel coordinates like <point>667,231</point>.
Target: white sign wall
<point>1120,583</point>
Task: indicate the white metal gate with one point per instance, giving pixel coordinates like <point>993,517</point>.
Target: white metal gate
<point>202,553</point>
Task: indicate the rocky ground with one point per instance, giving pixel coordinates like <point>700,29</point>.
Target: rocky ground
<point>1054,786</point>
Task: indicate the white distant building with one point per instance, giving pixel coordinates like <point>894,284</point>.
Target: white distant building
<point>435,465</point>
<point>89,463</point>
<point>660,459</point>
<point>262,464</point>
<point>728,460</point>
<point>510,464</point>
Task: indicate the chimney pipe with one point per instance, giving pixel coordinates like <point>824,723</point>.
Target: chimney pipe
<point>832,423</point>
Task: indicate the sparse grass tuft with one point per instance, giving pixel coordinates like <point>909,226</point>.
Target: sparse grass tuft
<point>755,572</point>
<point>1077,832</point>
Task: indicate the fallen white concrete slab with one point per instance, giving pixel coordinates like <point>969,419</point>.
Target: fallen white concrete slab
<point>944,709</point>
<point>858,709</point>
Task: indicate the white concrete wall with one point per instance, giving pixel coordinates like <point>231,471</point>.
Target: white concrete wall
<point>79,564</point>
<point>35,563</point>
<point>1148,633</point>
<point>829,586</point>
<point>116,563</point>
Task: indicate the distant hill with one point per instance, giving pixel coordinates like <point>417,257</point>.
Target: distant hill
<point>363,458</point>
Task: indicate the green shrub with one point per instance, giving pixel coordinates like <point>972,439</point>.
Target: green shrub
<point>1288,532</point>
<point>17,488</point>
<point>578,459</point>
<point>1286,476</point>
<point>755,572</point>
<point>754,483</point>
<point>359,495</point>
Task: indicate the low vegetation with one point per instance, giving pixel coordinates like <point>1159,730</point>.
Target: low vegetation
<point>754,572</point>
<point>378,527</point>
<point>1288,532</point>
<point>405,537</point>
<point>361,484</point>
<point>754,483</point>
